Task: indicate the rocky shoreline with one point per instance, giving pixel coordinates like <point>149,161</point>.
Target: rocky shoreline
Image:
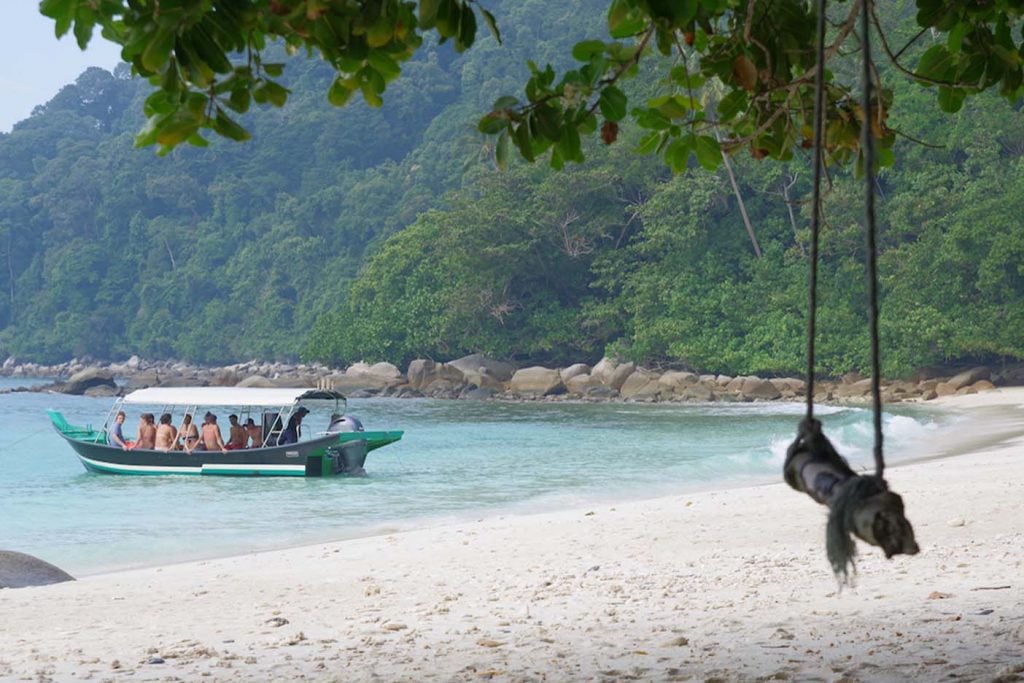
<point>478,377</point>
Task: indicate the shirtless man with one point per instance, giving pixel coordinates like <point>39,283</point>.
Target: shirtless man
<point>166,434</point>
<point>254,433</point>
<point>209,435</point>
<point>236,435</point>
<point>147,432</point>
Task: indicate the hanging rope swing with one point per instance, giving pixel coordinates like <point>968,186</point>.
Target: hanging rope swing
<point>859,505</point>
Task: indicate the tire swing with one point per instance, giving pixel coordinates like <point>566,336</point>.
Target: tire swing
<point>859,505</point>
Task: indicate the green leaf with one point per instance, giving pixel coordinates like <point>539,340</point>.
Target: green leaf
<point>504,102</point>
<point>709,154</point>
<point>951,99</point>
<point>226,126</point>
<point>501,150</point>
<point>677,154</point>
<point>624,19</point>
<point>384,65</point>
<point>492,25</point>
<point>731,105</point>
<point>273,69</point>
<point>428,12</point>
<point>492,123</point>
<point>584,51</point>
<point>158,50</point>
<point>339,93</point>
<point>613,103</point>
<point>935,63</point>
<point>61,11</point>
<point>524,143</point>
<point>649,142</point>
<point>275,93</point>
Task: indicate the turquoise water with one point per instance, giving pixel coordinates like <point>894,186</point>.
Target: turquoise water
<point>459,460</point>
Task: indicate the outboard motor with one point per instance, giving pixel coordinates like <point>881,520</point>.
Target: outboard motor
<point>344,423</point>
<point>350,456</point>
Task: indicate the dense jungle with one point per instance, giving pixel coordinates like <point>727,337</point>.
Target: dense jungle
<point>338,235</point>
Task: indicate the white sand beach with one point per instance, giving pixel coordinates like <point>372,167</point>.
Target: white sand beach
<point>728,585</point>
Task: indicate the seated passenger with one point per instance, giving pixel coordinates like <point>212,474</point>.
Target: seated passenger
<point>115,436</point>
<point>253,433</point>
<point>236,435</point>
<point>188,434</point>
<point>209,437</point>
<point>166,434</point>
<point>147,432</point>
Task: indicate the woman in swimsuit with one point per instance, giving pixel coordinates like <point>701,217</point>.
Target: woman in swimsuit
<point>188,433</point>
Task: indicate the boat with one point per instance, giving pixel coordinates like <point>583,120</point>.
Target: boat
<point>340,449</point>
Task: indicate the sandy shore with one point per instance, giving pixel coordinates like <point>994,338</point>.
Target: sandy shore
<point>726,585</point>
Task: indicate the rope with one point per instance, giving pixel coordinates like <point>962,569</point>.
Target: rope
<point>868,143</point>
<point>812,286</point>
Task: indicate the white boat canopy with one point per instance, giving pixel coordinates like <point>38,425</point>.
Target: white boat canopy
<point>227,396</point>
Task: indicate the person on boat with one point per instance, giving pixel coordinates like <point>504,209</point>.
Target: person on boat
<point>236,434</point>
<point>166,434</point>
<point>293,431</point>
<point>253,433</point>
<point>115,436</point>
<point>188,433</point>
<point>147,432</point>
<point>209,436</point>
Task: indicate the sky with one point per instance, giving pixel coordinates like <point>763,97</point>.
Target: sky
<point>34,65</point>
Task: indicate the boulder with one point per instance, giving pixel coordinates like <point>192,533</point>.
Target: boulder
<point>88,378</point>
<point>982,385</point>
<point>256,381</point>
<point>574,370</point>
<point>478,364</point>
<point>536,381</point>
<point>640,385</point>
<point>944,389</point>
<point>421,372</point>
<point>697,392</point>
<point>375,377</point>
<point>226,377</point>
<point>968,377</point>
<point>581,385</point>
<point>858,389</point>
<point>602,372</point>
<point>18,570</point>
<point>144,379</point>
<point>758,388</point>
<point>641,388</point>
<point>734,385</point>
<point>789,386</point>
<point>619,375</point>
<point>676,380</point>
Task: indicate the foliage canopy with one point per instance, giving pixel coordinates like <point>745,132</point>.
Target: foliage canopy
<point>739,73</point>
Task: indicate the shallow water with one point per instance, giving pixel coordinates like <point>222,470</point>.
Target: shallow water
<point>458,460</point>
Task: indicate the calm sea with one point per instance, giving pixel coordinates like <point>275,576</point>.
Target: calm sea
<point>459,460</point>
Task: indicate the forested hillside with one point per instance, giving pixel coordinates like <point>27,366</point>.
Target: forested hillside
<point>340,235</point>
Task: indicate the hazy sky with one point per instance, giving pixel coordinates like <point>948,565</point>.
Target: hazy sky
<point>34,65</point>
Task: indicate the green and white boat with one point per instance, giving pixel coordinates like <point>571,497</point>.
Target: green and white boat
<point>339,450</point>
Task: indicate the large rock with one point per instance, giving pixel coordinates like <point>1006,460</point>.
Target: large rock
<point>18,570</point>
<point>758,388</point>
<point>421,372</point>
<point>969,377</point>
<point>602,372</point>
<point>641,385</point>
<point>88,378</point>
<point>536,381</point>
<point>677,380</point>
<point>257,381</point>
<point>581,385</point>
<point>857,389</point>
<point>574,370</point>
<point>619,375</point>
<point>476,364</point>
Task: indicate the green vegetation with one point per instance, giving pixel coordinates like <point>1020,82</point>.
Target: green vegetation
<point>385,234</point>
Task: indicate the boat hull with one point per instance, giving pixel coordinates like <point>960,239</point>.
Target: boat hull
<point>329,455</point>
